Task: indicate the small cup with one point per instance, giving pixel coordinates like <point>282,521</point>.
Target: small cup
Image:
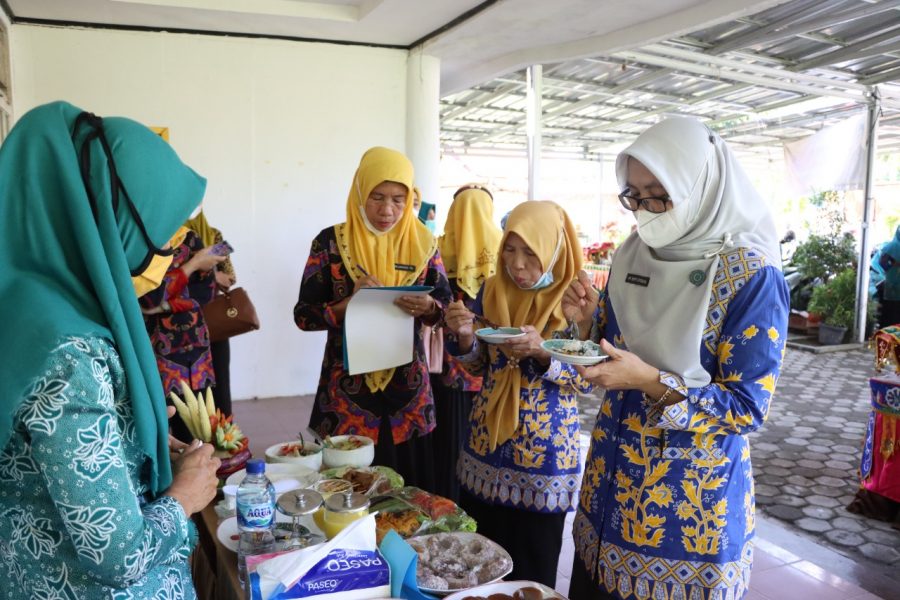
<point>230,494</point>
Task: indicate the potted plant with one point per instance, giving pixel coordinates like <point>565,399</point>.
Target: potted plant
<point>818,259</point>
<point>836,302</point>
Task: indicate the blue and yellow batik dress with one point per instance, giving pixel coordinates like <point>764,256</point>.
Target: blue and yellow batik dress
<point>666,503</point>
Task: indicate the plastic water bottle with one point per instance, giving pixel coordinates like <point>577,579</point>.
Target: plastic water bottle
<point>255,516</point>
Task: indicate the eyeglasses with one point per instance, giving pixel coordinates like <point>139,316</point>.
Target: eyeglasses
<point>654,204</point>
<point>473,186</point>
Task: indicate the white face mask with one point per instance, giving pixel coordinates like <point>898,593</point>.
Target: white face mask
<point>658,230</point>
<point>368,223</point>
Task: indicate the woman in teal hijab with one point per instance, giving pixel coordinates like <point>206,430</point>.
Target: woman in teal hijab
<point>89,507</point>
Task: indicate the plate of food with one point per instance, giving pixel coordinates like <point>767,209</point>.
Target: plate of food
<point>367,480</point>
<point>452,562</point>
<point>508,590</point>
<point>228,530</point>
<point>491,335</point>
<point>575,352</point>
<point>278,471</point>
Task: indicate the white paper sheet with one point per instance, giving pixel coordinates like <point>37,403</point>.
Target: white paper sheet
<point>377,333</point>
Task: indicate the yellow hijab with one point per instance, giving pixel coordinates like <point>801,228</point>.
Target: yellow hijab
<point>471,241</point>
<point>396,257</point>
<point>201,227</point>
<point>540,225</point>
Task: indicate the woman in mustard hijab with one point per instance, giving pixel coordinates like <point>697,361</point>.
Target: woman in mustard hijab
<point>382,243</point>
<point>89,505</point>
<point>519,468</point>
<point>469,249</point>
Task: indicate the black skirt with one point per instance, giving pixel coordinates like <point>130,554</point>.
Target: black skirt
<point>451,415</point>
<point>221,359</point>
<point>413,459</point>
<point>584,587</point>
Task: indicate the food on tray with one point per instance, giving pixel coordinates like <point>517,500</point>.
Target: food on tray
<point>207,423</point>
<point>450,562</point>
<point>404,522</point>
<point>327,487</point>
<point>297,450</point>
<point>367,480</point>
<point>402,508</point>
<point>578,348</point>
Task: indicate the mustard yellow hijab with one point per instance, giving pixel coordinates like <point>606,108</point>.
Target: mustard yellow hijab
<point>396,257</point>
<point>471,241</point>
<point>540,224</point>
<point>201,227</point>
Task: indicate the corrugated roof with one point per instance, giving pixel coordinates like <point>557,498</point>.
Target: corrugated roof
<point>759,81</point>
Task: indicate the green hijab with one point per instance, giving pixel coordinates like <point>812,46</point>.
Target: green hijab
<point>66,271</point>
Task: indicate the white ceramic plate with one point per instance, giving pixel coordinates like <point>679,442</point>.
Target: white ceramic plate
<point>278,471</point>
<point>228,528</point>
<point>504,587</point>
<point>554,347</point>
<point>490,335</point>
<point>465,537</point>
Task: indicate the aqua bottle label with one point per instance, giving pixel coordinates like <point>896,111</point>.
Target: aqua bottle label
<point>255,516</point>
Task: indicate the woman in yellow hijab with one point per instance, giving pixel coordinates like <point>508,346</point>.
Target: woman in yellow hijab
<point>382,242</point>
<point>519,468</point>
<point>469,248</point>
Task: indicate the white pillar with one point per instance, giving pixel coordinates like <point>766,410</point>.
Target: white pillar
<point>423,124</point>
<point>865,241</point>
<point>534,95</point>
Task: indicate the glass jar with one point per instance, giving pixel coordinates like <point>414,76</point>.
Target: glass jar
<point>343,509</point>
<point>327,488</point>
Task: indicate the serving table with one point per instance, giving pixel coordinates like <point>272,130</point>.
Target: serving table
<point>214,567</point>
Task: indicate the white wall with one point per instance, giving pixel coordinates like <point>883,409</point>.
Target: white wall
<point>277,127</point>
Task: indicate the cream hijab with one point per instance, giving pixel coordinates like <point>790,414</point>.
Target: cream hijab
<point>396,257</point>
<point>661,296</point>
<point>471,241</point>
<point>544,226</point>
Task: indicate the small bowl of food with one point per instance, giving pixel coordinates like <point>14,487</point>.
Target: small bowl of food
<point>574,352</point>
<point>348,451</point>
<point>308,454</point>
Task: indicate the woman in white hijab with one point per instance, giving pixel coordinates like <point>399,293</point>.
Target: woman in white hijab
<point>694,322</point>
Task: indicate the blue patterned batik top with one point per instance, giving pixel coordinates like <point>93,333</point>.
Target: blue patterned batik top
<point>666,504</point>
<point>538,469</point>
<point>75,519</point>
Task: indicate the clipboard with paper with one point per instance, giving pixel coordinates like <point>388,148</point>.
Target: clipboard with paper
<point>377,333</point>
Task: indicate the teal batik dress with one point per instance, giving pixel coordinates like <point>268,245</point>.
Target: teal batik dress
<point>666,503</point>
<point>74,462</point>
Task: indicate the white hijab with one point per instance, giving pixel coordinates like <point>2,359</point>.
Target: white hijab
<point>662,295</point>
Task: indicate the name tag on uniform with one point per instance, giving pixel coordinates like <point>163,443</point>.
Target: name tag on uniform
<point>402,267</point>
<point>637,280</point>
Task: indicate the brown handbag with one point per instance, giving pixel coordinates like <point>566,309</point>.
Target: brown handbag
<point>229,314</point>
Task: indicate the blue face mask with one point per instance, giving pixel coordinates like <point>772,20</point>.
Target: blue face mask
<point>546,280</point>
<point>431,225</point>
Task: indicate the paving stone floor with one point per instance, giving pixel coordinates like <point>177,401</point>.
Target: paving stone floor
<point>805,458</point>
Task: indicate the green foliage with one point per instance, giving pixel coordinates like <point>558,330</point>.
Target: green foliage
<point>836,300</point>
<point>822,256</point>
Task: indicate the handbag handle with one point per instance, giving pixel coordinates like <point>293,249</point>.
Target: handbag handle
<point>232,311</point>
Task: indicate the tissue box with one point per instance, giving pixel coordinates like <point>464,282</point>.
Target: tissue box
<point>342,575</point>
